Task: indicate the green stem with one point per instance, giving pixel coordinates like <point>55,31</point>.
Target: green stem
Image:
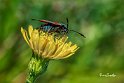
<point>30,79</point>
<point>37,66</point>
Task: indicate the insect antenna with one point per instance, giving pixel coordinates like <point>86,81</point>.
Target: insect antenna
<point>78,33</point>
<point>67,22</point>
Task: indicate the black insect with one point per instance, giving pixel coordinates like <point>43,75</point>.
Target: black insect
<point>56,27</point>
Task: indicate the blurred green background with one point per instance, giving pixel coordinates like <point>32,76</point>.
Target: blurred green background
<point>102,51</point>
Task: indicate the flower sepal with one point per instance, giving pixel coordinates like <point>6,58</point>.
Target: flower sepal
<point>36,67</point>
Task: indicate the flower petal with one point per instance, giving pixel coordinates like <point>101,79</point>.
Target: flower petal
<point>35,39</point>
<point>25,35</point>
<point>30,30</point>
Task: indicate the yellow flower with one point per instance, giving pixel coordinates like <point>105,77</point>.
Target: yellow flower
<point>47,45</point>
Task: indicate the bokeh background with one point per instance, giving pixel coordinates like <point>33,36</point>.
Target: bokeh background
<point>102,51</point>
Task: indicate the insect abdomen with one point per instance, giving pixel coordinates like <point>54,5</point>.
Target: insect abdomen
<point>48,29</point>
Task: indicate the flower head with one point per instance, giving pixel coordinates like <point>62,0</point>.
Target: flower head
<point>47,45</point>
